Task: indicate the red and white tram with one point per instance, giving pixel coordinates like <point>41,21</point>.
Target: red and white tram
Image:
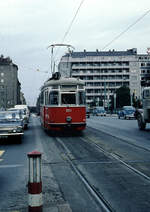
<point>62,104</point>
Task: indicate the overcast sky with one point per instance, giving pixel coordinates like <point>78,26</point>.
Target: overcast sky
<point>28,27</point>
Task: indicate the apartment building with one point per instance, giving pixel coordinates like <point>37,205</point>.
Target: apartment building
<point>104,72</point>
<point>9,84</point>
<point>144,64</point>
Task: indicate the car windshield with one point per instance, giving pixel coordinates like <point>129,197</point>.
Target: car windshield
<point>129,108</point>
<point>100,109</point>
<point>21,111</point>
<point>9,116</point>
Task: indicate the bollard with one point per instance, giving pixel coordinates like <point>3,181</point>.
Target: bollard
<point>35,184</point>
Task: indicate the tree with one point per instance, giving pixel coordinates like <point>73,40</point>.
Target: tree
<point>123,96</point>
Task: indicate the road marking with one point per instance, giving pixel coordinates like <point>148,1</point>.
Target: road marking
<point>14,211</point>
<point>11,166</point>
<point>1,152</point>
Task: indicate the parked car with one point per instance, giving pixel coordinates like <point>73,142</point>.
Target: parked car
<point>87,112</point>
<point>127,112</point>
<point>100,111</point>
<point>11,124</point>
<point>94,111</point>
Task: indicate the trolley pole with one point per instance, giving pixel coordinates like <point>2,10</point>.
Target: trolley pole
<point>35,201</point>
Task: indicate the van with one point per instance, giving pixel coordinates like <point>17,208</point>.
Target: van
<point>26,112</point>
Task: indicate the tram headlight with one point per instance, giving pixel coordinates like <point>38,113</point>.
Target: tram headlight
<point>68,119</point>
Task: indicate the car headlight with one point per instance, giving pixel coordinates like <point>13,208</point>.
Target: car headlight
<point>19,129</point>
<point>12,131</point>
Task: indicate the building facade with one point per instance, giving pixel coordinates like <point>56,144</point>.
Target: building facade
<point>144,64</point>
<point>104,72</point>
<point>9,84</point>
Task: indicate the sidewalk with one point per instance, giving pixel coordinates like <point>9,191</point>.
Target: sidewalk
<point>59,208</point>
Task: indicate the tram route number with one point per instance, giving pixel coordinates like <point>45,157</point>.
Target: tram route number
<point>68,110</point>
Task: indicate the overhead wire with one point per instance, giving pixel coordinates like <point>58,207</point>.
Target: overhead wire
<point>69,27</point>
<point>118,36</point>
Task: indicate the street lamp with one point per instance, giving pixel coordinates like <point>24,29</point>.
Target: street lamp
<point>115,102</point>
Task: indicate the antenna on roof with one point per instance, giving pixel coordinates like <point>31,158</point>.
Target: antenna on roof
<point>52,51</point>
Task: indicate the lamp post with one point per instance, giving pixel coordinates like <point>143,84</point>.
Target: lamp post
<point>115,102</point>
<point>104,91</point>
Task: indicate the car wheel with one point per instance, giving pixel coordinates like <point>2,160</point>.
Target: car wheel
<point>25,126</point>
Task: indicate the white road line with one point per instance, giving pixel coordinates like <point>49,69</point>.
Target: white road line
<point>11,166</point>
<point>1,152</point>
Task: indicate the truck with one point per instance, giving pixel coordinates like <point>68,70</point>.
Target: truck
<point>143,115</point>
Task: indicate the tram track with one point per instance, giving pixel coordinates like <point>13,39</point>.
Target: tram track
<point>121,139</point>
<point>118,159</point>
<point>92,167</point>
<point>96,195</point>
<point>92,173</point>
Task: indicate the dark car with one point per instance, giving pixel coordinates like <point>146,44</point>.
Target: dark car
<point>127,112</point>
<point>11,124</point>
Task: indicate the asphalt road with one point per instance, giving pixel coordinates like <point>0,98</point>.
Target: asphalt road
<point>111,156</point>
<point>123,129</point>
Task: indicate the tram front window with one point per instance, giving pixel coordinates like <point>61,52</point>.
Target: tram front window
<point>53,98</point>
<point>68,98</point>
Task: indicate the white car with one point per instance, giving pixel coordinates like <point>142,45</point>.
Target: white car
<point>24,116</point>
<point>100,111</point>
<point>11,124</point>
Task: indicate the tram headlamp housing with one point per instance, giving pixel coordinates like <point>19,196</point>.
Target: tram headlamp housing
<point>68,119</point>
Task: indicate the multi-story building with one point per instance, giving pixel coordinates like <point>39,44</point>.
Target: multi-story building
<point>9,83</point>
<point>104,72</point>
<point>144,64</point>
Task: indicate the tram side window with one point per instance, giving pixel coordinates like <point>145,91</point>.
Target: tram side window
<point>81,98</point>
<point>68,98</point>
<point>46,97</point>
<point>42,98</point>
<point>53,98</point>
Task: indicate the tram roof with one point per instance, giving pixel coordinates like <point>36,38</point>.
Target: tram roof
<point>64,81</point>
